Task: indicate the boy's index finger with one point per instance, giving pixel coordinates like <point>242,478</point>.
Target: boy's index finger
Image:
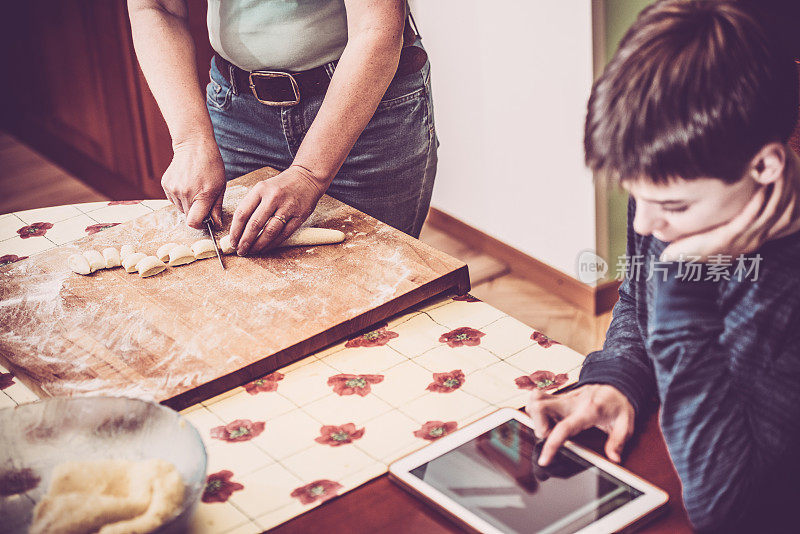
<point>560,434</point>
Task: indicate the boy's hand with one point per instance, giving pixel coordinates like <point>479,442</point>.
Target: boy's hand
<point>559,417</point>
<point>773,212</point>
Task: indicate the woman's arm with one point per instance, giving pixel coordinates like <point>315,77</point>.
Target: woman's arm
<point>195,179</point>
<point>367,66</point>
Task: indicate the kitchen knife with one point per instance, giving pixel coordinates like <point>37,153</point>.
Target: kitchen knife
<point>214,240</point>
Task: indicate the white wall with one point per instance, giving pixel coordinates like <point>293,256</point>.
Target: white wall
<point>510,83</point>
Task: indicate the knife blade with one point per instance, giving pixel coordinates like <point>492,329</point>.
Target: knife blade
<point>214,240</point>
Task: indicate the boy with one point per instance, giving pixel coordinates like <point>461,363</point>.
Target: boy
<point>692,116</point>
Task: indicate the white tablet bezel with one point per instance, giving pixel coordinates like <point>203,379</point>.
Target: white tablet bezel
<point>652,498</point>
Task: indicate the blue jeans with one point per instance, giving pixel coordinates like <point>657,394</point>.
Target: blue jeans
<point>388,174</point>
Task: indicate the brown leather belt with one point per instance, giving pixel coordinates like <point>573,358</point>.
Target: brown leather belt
<point>284,89</point>
<point>276,88</point>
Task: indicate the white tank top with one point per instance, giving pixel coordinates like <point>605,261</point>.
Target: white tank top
<point>289,35</point>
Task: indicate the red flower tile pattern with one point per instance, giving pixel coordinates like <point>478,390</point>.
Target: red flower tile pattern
<point>447,382</point>
<point>264,384</point>
<point>124,202</point>
<point>346,384</point>
<point>543,340</point>
<point>94,228</point>
<point>543,380</point>
<point>6,380</point>
<point>339,435</point>
<point>462,336</point>
<point>466,297</point>
<point>378,337</point>
<point>239,430</point>
<point>220,487</point>
<point>433,430</point>
<point>319,490</point>
<point>11,258</point>
<point>34,230</point>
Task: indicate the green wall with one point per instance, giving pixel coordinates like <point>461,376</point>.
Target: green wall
<point>619,15</point>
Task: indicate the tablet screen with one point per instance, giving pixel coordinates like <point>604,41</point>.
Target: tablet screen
<point>496,477</point>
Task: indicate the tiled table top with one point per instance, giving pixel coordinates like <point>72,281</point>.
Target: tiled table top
<point>328,423</point>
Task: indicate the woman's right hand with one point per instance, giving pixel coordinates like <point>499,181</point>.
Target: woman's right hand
<point>559,417</point>
<point>195,182</point>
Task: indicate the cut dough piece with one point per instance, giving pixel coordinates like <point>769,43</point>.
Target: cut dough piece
<point>313,236</point>
<point>79,264</point>
<point>109,497</point>
<point>180,255</point>
<point>126,251</point>
<point>203,249</point>
<point>225,245</point>
<point>129,263</point>
<point>163,251</point>
<point>95,259</point>
<point>112,258</point>
<point>150,266</point>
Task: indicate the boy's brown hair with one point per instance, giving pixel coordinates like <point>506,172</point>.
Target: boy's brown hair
<point>695,89</point>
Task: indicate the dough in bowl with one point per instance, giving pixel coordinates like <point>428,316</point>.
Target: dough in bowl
<point>109,497</point>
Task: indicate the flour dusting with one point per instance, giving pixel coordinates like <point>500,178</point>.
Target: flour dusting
<point>116,333</point>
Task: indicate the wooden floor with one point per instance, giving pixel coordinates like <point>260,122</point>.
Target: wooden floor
<point>28,180</point>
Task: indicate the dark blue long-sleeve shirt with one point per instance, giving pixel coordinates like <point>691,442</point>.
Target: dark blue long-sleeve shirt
<point>722,357</point>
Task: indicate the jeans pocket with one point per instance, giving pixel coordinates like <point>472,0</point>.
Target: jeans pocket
<point>217,95</point>
<point>404,88</point>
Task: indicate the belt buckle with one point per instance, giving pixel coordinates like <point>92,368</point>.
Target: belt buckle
<point>268,74</point>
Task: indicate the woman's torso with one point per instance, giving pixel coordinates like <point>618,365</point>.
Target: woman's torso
<point>287,35</point>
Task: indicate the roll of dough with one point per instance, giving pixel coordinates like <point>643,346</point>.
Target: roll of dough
<point>180,255</point>
<point>163,251</point>
<point>313,236</point>
<point>150,266</point>
<point>225,245</point>
<point>126,251</point>
<point>79,264</point>
<point>130,261</point>
<point>112,258</point>
<point>203,249</point>
<point>95,259</point>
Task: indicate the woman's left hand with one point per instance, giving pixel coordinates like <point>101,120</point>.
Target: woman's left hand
<point>273,209</point>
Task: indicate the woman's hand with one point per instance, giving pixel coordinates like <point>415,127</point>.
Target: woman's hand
<point>559,417</point>
<point>195,182</point>
<point>273,209</point>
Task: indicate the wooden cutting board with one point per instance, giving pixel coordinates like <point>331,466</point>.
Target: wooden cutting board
<point>195,331</point>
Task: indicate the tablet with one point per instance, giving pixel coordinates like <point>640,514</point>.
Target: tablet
<point>486,476</point>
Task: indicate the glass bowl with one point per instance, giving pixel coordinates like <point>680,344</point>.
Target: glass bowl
<point>35,437</point>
